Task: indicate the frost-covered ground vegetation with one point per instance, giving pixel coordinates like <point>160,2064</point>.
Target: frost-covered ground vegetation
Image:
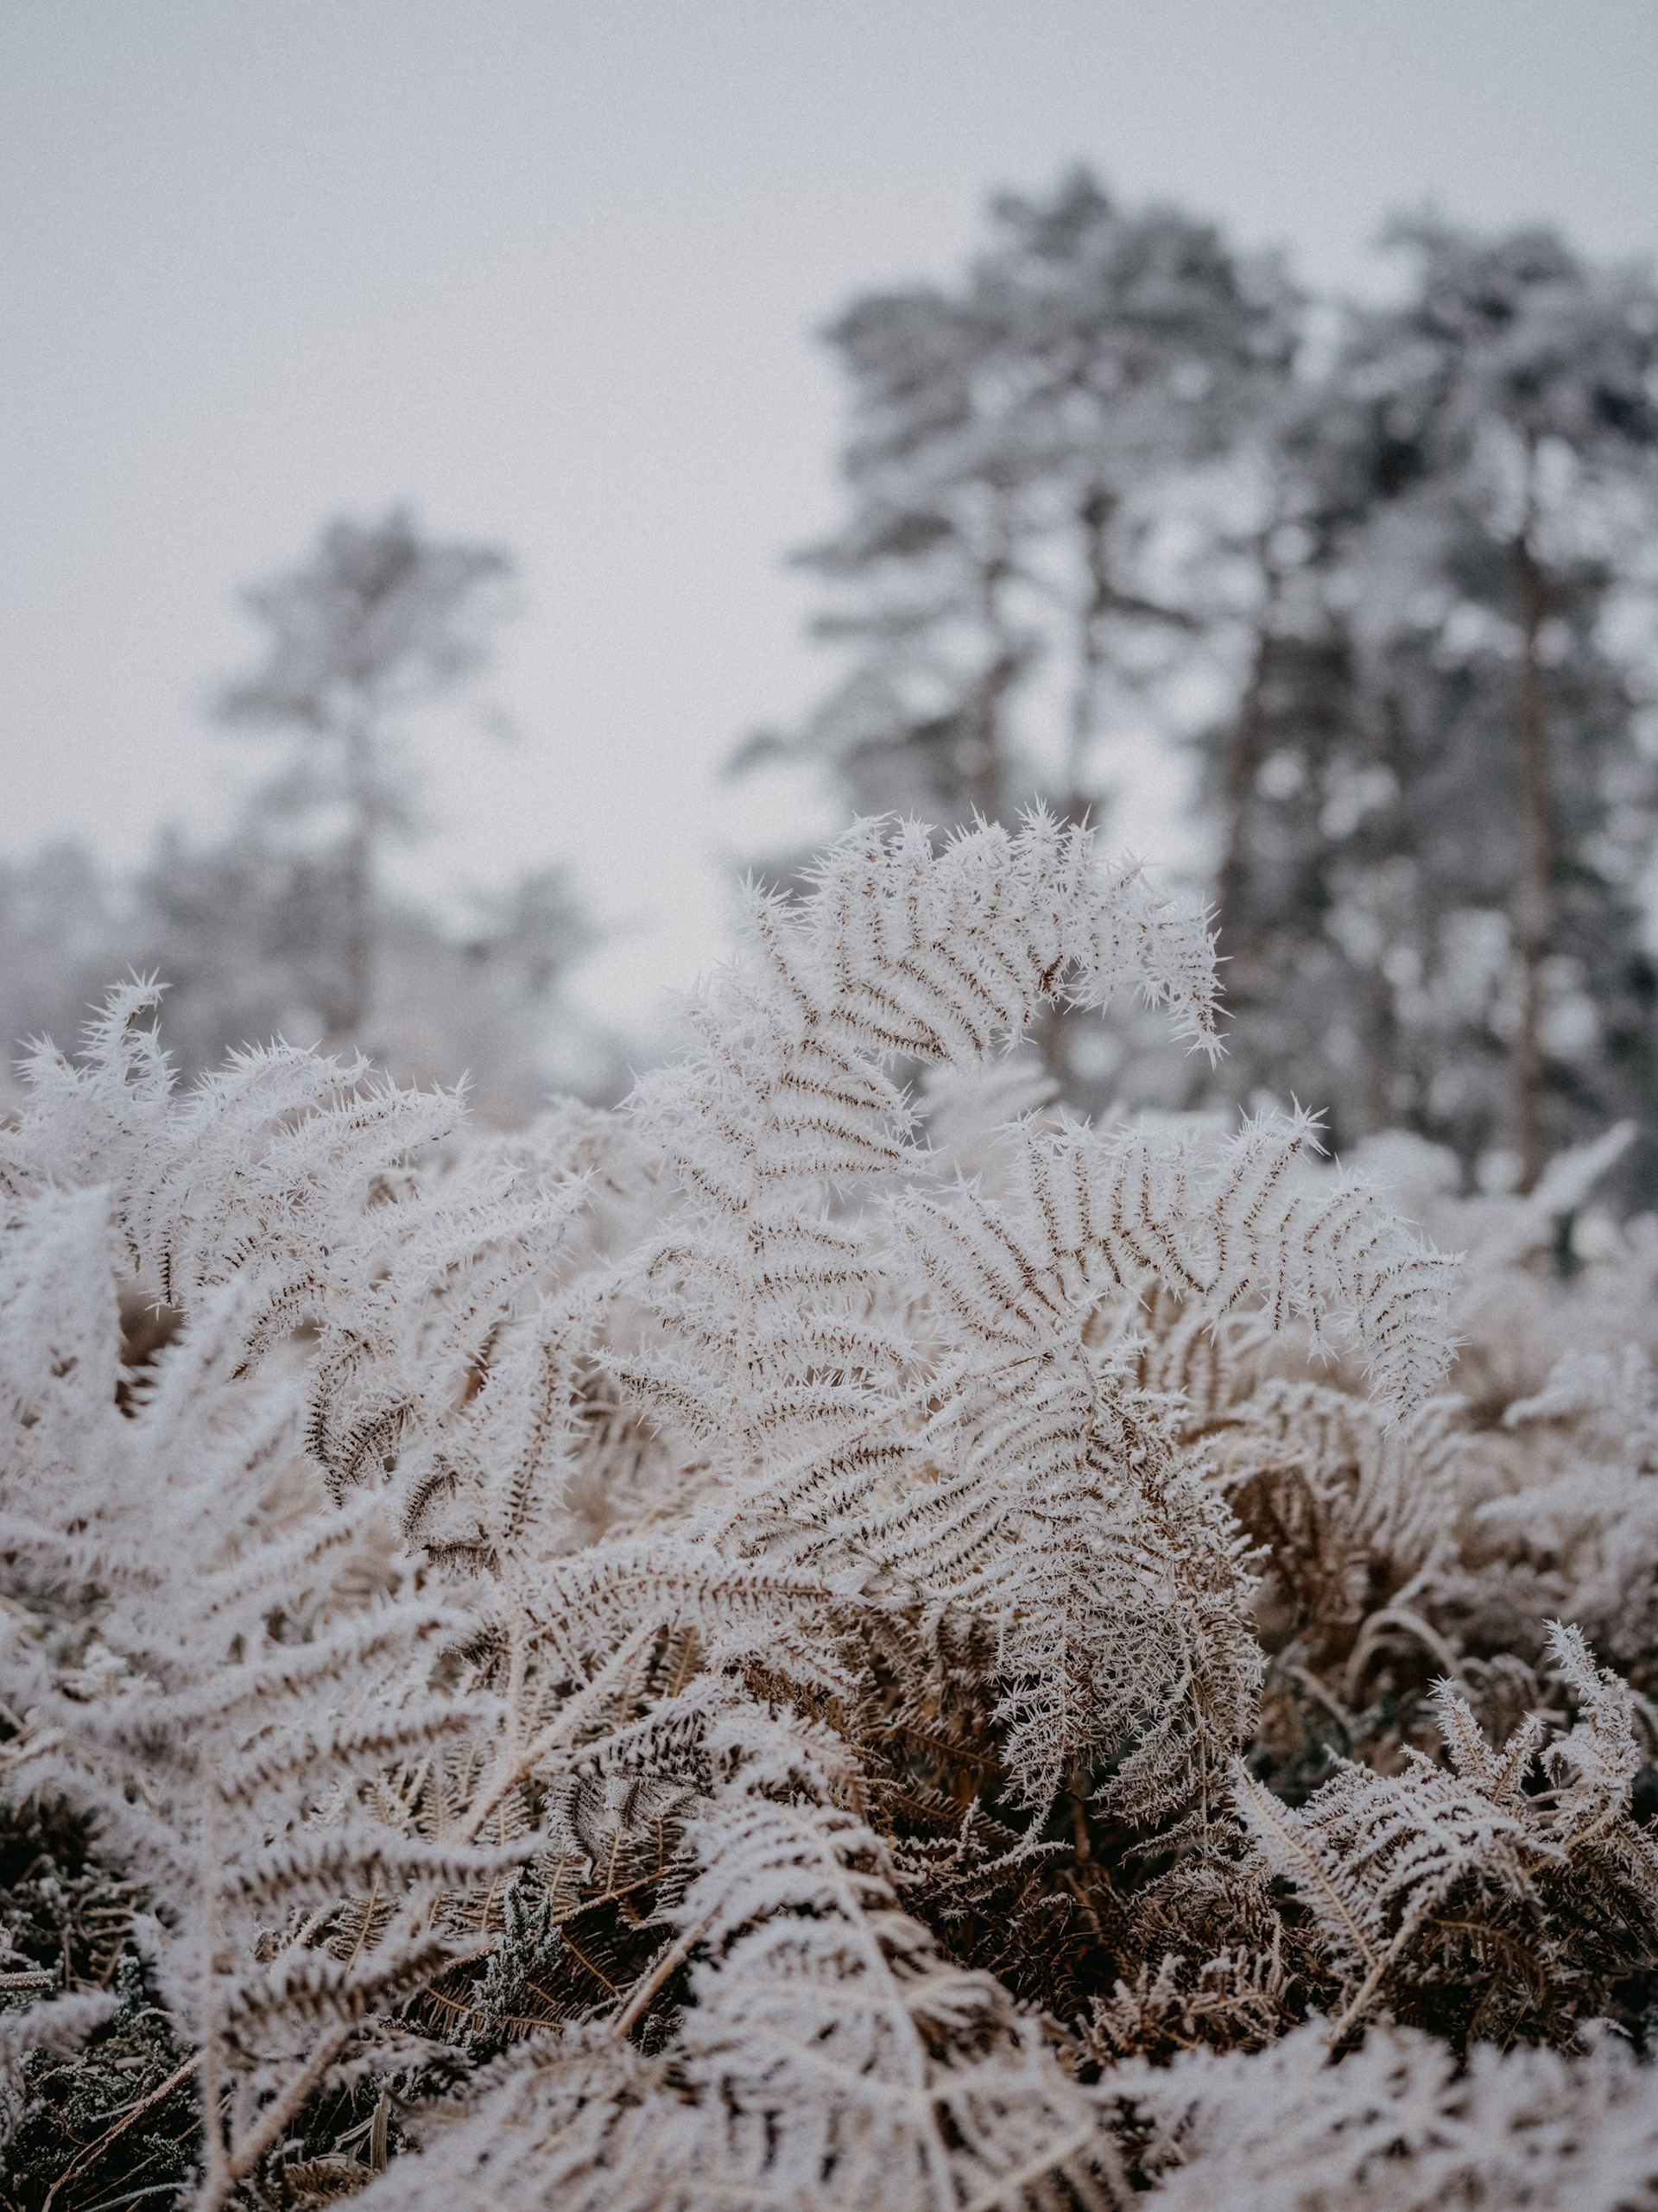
<point>831,1638</point>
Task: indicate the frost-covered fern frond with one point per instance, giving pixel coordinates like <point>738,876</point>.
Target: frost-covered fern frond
<point>1349,1512</point>
<point>197,1665</point>
<point>784,1354</point>
<point>253,1165</point>
<point>662,1625</point>
<point>1594,1766</point>
<point>1399,2125</point>
<point>1465,1898</point>
<point>1110,1571</point>
<point>831,2057</point>
<point>489,1485</point>
<point>292,1175</point>
<point>1514,1314</point>
<point>900,1399</point>
<point>1374,1860</point>
<point>942,957</point>
<point>1579,1484</point>
<point>778,1355</point>
<point>1238,1224</point>
<point>1059,1469</point>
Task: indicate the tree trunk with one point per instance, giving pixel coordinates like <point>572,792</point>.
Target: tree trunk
<point>1094,512</point>
<point>1245,748</point>
<point>1243,765</point>
<point>1094,521</point>
<point>985,786</point>
<point>1382,1043</point>
<point>989,697</point>
<point>1533,904</point>
<point>356,951</point>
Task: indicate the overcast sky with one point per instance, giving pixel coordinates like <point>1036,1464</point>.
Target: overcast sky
<point>550,272</point>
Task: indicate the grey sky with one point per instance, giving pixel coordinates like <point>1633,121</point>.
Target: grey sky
<point>549,272</point>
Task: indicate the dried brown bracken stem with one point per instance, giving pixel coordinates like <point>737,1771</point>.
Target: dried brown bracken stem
<point>95,2151</point>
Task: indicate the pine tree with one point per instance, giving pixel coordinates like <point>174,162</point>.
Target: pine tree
<point>1436,806</point>
<point>1006,567</point>
<point>380,621</point>
<point>285,925</point>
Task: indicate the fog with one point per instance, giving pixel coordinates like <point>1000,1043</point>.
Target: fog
<point>551,275</point>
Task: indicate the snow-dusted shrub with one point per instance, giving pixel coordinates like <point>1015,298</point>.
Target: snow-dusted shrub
<point>701,1656</point>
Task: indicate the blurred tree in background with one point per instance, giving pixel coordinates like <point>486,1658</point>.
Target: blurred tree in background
<point>1384,574</point>
<point>58,929</point>
<point>378,623</point>
<point>289,925</point>
<point>1022,458</point>
<point>1436,789</point>
<point>1383,570</point>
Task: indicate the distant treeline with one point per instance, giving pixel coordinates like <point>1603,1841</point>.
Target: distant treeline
<point>1388,569</point>
<point>286,927</point>
<point>1384,575</point>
